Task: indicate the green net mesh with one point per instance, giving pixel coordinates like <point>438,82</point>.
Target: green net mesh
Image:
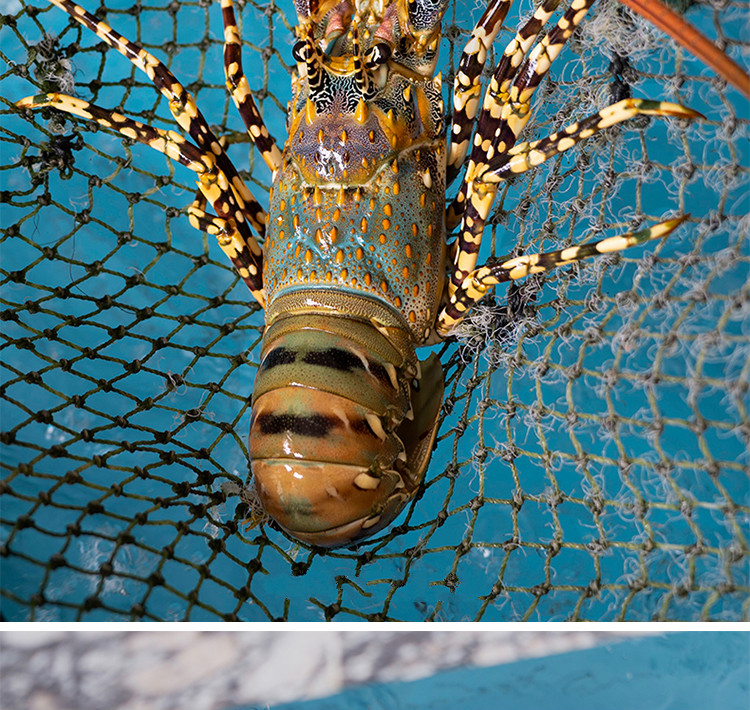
<point>592,461</point>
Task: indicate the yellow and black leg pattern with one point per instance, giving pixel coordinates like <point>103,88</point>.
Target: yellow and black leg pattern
<point>170,143</point>
<point>245,256</point>
<point>486,140</point>
<point>524,156</point>
<point>234,238</point>
<point>507,104</point>
<point>506,110</point>
<point>467,84</point>
<point>486,176</point>
<point>219,181</point>
<point>240,90</point>
<point>479,282</point>
<point>231,243</point>
<point>181,105</point>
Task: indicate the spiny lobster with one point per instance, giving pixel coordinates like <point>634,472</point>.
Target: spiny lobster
<point>355,271</point>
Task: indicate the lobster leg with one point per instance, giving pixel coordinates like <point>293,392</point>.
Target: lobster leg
<point>228,237</point>
<point>505,112</point>
<point>526,155</point>
<point>233,236</point>
<point>170,143</point>
<point>240,90</point>
<point>497,91</point>
<point>181,105</point>
<point>232,244</point>
<point>495,271</point>
<point>507,107</point>
<point>467,85</point>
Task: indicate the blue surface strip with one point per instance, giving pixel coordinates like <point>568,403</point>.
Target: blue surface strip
<point>676,671</point>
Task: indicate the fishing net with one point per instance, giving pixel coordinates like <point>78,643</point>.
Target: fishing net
<point>592,459</point>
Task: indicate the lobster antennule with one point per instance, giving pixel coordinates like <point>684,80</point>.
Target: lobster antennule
<point>361,78</point>
<point>316,73</point>
<point>338,21</point>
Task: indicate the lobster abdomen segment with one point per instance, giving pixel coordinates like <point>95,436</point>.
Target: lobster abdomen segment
<point>298,421</point>
<point>323,503</point>
<point>339,367</point>
<point>335,446</point>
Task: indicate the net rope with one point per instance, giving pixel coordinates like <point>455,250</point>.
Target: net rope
<point>592,461</point>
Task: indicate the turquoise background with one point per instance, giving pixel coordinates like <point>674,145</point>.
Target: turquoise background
<point>677,671</point>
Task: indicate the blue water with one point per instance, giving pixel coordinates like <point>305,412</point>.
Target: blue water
<point>677,671</point>
<point>128,541</point>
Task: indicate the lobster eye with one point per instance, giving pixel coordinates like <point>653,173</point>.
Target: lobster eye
<point>377,54</point>
<point>299,51</point>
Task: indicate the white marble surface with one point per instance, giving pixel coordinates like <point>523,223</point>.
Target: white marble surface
<point>209,670</point>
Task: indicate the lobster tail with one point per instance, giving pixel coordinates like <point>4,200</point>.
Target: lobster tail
<point>336,451</point>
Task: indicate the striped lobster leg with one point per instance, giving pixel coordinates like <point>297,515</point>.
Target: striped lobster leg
<point>467,85</point>
<point>213,182</point>
<point>505,112</point>
<point>496,271</point>
<point>526,155</point>
<point>238,211</point>
<point>240,90</point>
<point>498,91</point>
<point>529,154</point>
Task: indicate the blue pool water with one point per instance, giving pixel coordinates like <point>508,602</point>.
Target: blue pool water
<point>677,671</point>
<point>591,465</point>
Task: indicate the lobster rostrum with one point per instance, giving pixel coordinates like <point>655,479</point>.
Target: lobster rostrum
<point>355,271</point>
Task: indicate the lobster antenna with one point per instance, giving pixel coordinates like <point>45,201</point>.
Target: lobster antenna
<point>315,70</point>
<point>361,78</point>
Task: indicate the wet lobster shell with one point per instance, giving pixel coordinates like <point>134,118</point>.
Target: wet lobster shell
<point>344,414</point>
